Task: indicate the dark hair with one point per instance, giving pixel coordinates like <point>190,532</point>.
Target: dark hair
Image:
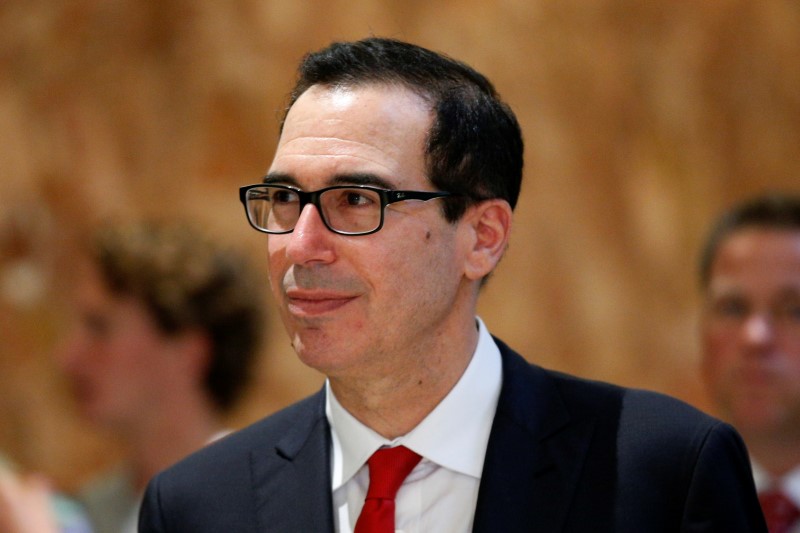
<point>475,145</point>
<point>186,280</point>
<point>774,211</point>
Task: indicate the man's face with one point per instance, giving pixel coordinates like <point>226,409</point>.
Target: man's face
<point>364,305</point>
<point>751,332</point>
<point>118,362</point>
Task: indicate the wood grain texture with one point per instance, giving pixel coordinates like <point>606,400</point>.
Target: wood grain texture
<point>642,120</point>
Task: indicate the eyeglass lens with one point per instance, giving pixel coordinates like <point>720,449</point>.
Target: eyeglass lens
<point>349,210</point>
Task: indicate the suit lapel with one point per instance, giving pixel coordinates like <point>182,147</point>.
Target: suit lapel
<point>535,454</point>
<point>291,482</point>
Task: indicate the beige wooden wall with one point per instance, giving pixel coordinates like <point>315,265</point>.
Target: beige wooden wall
<point>642,121</point>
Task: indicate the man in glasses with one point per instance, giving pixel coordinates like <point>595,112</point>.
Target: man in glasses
<point>388,203</point>
<point>750,278</point>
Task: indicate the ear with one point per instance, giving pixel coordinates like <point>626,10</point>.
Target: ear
<point>489,227</point>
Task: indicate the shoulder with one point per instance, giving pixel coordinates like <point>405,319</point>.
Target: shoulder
<point>633,407</point>
<point>668,465</point>
<point>637,415</point>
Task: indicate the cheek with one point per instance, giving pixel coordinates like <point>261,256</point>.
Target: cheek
<point>426,270</point>
<point>792,351</point>
<point>74,353</point>
<point>117,367</point>
<point>277,263</point>
<point>131,355</point>
<point>412,258</point>
<point>275,283</point>
<point>719,355</point>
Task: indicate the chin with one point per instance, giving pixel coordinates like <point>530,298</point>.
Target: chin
<point>325,360</point>
<point>756,421</point>
<point>316,360</point>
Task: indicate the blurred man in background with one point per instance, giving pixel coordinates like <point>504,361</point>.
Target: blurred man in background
<point>168,323</point>
<point>750,277</point>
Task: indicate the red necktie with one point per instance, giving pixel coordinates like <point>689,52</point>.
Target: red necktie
<point>388,467</point>
<point>779,511</point>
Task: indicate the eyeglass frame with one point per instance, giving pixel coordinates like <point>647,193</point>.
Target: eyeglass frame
<point>387,196</point>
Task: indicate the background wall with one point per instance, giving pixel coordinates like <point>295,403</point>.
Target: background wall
<point>642,120</point>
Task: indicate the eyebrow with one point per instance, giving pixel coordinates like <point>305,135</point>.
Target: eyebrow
<point>787,292</point>
<point>353,178</point>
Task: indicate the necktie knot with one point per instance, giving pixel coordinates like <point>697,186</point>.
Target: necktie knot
<point>388,467</point>
<point>779,511</point>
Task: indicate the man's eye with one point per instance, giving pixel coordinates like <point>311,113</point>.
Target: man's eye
<point>790,311</point>
<point>283,197</point>
<point>357,198</point>
<point>731,308</point>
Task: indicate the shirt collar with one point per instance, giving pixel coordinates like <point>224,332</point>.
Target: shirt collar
<point>454,435</point>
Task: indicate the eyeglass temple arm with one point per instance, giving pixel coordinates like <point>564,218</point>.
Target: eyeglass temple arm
<point>399,196</point>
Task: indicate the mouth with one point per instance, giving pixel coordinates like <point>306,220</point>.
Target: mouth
<point>314,304</point>
<point>757,377</point>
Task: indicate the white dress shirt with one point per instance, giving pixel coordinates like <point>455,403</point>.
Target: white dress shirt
<point>441,492</point>
<point>789,484</point>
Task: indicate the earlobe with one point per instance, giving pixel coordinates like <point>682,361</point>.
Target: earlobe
<point>490,227</point>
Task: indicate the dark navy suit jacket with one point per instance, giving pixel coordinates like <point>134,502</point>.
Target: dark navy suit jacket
<point>564,455</point>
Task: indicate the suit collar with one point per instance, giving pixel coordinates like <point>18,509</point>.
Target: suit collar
<point>536,451</point>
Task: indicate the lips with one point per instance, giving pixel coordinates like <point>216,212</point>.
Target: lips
<point>316,291</point>
<point>305,303</point>
<point>755,376</point>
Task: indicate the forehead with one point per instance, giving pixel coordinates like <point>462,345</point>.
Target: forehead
<point>335,132</point>
<point>758,258</point>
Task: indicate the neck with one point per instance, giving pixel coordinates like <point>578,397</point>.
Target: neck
<point>396,400</point>
<point>168,436</point>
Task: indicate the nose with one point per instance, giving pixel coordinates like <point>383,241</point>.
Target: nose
<point>310,241</point>
<point>759,329</point>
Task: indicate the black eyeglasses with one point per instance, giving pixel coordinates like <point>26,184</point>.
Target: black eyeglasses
<point>345,209</point>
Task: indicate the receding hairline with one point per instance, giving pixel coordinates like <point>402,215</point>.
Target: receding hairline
<point>712,251</point>
<point>424,95</point>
